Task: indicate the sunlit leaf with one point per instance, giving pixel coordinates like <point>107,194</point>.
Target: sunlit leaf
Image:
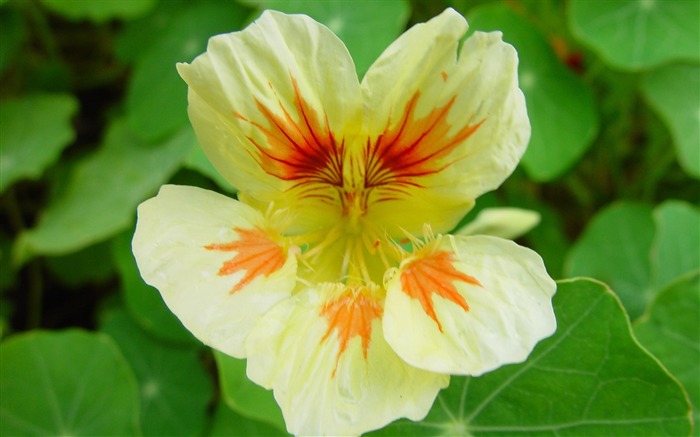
<point>103,191</point>
<point>614,248</point>
<point>590,378</point>
<point>157,98</point>
<point>366,28</point>
<point>673,92</point>
<point>560,107</point>
<point>26,150</point>
<point>99,11</point>
<point>638,34</point>
<point>670,331</point>
<point>71,383</point>
<point>229,423</point>
<point>144,302</point>
<point>175,389</point>
<point>243,396</point>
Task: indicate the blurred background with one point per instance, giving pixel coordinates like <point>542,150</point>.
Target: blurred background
<point>93,121</point>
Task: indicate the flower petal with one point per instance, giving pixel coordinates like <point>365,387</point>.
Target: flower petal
<point>273,107</point>
<point>467,305</point>
<point>445,129</point>
<point>324,355</point>
<point>215,261</point>
<point>508,223</point>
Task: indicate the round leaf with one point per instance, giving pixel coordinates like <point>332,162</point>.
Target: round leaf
<point>229,423</point>
<point>614,248</point>
<point>670,331</point>
<point>66,383</point>
<point>590,378</point>
<point>175,389</point>
<point>244,396</point>
<point>26,151</point>
<point>675,251</point>
<point>673,92</point>
<point>638,34</point>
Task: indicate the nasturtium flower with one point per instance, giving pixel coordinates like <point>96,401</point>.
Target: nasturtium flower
<point>333,273</point>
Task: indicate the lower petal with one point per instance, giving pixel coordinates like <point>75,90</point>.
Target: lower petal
<point>332,372</point>
<point>215,262</point>
<point>468,305</point>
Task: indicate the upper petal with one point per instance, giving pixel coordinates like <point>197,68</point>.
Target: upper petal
<point>467,305</point>
<point>444,128</point>
<point>273,107</point>
<point>216,262</point>
<point>324,355</point>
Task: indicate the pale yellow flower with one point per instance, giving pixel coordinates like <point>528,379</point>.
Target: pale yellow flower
<point>332,273</point>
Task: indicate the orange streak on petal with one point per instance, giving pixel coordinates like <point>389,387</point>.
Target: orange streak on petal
<point>256,254</point>
<point>351,315</point>
<point>412,148</point>
<point>435,274</point>
<point>302,149</point>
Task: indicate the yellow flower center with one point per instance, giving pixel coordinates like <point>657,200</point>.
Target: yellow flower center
<point>297,146</point>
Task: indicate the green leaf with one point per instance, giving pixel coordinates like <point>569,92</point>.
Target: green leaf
<point>366,28</point>
<point>70,383</point>
<point>99,11</point>
<point>144,302</point>
<point>559,137</point>
<point>670,331</point>
<point>103,191</point>
<point>129,43</point>
<point>26,150</point>
<point>549,240</point>
<point>156,100</point>
<point>229,423</point>
<point>244,396</point>
<point>590,378</point>
<point>175,388</point>
<point>614,248</point>
<point>638,34</point>
<point>675,251</point>
<point>92,264</point>
<point>673,93</point>
<point>12,35</point>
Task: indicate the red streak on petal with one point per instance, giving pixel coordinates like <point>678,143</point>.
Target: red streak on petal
<point>351,315</point>
<point>435,274</point>
<point>444,76</point>
<point>413,148</point>
<point>256,254</point>
<point>303,149</point>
